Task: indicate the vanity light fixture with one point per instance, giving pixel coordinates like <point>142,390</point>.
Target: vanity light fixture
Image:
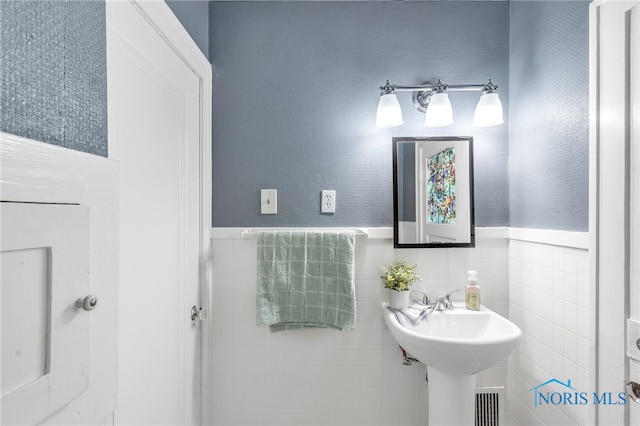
<point>489,108</point>
<point>439,112</point>
<point>433,100</point>
<point>389,113</point>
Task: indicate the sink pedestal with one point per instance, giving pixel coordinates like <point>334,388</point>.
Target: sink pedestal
<point>451,398</point>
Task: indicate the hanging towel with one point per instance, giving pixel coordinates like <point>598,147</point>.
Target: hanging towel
<point>306,279</point>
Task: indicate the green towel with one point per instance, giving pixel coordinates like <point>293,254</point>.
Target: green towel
<point>306,279</point>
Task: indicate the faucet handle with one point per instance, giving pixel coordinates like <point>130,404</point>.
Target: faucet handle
<point>448,295</point>
<point>447,299</point>
<point>425,297</point>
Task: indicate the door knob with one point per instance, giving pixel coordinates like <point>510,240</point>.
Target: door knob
<point>197,314</point>
<point>89,303</point>
<point>633,390</point>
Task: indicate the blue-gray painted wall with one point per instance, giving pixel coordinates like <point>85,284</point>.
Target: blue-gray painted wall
<point>549,98</point>
<point>53,86</point>
<point>194,16</point>
<point>299,57</point>
<point>295,89</point>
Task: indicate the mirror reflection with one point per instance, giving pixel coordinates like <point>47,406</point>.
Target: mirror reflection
<point>433,192</point>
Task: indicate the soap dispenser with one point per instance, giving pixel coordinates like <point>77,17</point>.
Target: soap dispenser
<point>473,291</point>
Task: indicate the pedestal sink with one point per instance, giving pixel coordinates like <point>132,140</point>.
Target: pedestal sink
<point>455,345</point>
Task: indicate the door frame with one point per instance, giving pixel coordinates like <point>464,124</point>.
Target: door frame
<point>609,159</point>
<point>633,330</point>
<point>167,25</point>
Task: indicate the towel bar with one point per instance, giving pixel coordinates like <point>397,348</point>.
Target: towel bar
<point>253,233</point>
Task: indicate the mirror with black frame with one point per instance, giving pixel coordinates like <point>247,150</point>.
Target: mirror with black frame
<point>433,192</point>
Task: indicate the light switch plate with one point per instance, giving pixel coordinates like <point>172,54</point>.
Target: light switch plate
<point>328,201</point>
<point>268,201</point>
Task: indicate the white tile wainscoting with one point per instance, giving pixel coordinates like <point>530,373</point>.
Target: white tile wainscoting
<point>549,300</point>
<point>356,377</point>
<point>322,377</point>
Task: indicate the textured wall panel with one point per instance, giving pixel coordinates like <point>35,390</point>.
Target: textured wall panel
<point>53,85</point>
<point>549,98</point>
<point>295,91</point>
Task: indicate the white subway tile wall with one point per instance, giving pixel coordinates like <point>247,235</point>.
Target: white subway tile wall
<point>548,300</point>
<point>328,377</point>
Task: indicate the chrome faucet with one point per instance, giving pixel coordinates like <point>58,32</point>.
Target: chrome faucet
<point>444,303</point>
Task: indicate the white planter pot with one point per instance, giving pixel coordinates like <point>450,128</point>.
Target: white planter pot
<point>398,299</point>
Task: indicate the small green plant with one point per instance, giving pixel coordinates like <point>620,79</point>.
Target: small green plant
<point>399,276</point>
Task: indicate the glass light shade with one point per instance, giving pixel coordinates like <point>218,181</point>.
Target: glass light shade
<point>389,113</point>
<point>439,111</point>
<point>488,111</point>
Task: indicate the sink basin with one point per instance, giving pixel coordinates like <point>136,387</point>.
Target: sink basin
<point>458,341</point>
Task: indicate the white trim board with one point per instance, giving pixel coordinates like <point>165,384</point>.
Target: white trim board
<point>572,239</point>
<point>31,171</point>
<point>543,236</point>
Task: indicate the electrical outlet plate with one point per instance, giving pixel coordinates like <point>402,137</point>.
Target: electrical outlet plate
<point>268,201</point>
<point>328,201</point>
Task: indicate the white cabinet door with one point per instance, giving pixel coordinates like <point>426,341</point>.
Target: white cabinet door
<point>57,243</point>
<point>45,338</point>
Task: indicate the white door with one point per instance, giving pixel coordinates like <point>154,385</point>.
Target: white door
<point>615,200</point>
<point>155,126</point>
